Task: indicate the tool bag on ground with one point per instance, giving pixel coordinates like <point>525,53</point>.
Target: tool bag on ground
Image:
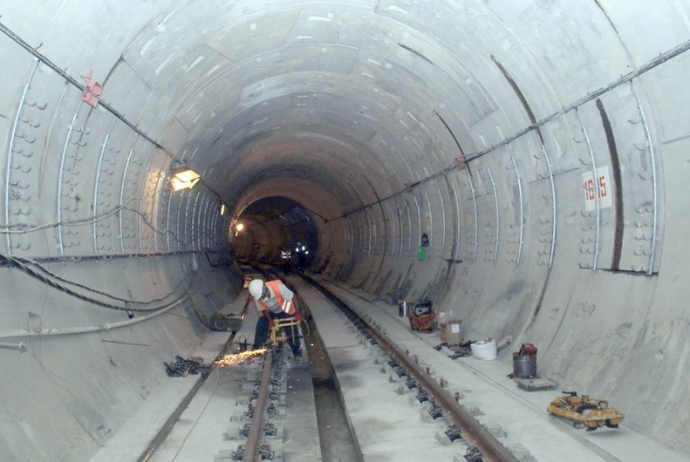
<point>422,317</point>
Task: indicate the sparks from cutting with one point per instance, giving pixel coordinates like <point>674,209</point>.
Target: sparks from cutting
<point>231,360</point>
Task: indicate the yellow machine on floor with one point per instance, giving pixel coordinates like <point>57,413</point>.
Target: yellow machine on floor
<point>585,411</point>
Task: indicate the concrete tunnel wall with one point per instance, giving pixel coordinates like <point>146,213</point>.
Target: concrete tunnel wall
<point>478,123</point>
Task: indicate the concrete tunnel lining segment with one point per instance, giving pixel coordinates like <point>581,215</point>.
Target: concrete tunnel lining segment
<point>366,109</point>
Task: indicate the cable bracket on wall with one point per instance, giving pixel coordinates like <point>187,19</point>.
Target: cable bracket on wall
<point>34,51</point>
<point>92,90</point>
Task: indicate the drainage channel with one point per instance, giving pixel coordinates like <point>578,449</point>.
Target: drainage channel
<point>338,439</point>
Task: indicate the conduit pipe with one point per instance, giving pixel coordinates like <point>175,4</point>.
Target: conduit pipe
<point>20,347</point>
<point>82,330</point>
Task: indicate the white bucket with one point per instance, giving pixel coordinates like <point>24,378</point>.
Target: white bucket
<point>484,349</point>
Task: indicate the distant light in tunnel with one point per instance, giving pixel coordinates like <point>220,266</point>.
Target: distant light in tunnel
<point>183,177</point>
<point>222,209</point>
<point>238,227</point>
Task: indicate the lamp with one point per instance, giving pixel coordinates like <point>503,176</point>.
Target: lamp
<point>183,177</point>
<point>238,227</point>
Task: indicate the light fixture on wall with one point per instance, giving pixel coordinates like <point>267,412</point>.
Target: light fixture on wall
<point>222,209</point>
<point>183,177</point>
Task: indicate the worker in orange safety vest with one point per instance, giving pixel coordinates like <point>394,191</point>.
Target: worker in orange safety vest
<point>274,301</point>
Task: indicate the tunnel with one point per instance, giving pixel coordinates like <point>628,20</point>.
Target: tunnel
<point>522,165</point>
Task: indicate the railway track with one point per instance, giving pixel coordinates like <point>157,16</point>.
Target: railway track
<point>371,390</point>
<point>482,445</point>
<point>461,431</point>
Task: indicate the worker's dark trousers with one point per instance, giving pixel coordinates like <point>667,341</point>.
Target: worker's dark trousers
<point>261,333</point>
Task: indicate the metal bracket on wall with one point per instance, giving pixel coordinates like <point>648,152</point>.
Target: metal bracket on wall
<point>92,90</point>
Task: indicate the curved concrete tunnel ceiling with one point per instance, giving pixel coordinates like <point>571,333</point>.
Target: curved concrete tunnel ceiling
<point>327,163</point>
<point>540,146</point>
<point>328,72</point>
<point>315,198</point>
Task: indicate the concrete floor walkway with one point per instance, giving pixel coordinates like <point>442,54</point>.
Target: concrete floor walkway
<point>516,416</point>
<point>206,429</point>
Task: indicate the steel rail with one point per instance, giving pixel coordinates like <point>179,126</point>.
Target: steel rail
<point>478,434</point>
<point>252,448</point>
<point>473,432</point>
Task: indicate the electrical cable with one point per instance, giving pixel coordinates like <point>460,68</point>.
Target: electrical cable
<point>33,51</point>
<point>156,230</point>
<point>71,80</point>
<point>105,326</point>
<point>591,96</point>
<point>24,267</point>
<point>81,286</point>
<point>167,231</point>
<point>23,263</point>
<point>6,228</point>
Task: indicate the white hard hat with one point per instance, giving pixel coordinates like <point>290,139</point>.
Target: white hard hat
<point>256,288</point>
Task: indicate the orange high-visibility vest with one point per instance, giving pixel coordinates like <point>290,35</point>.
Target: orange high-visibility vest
<point>288,308</point>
